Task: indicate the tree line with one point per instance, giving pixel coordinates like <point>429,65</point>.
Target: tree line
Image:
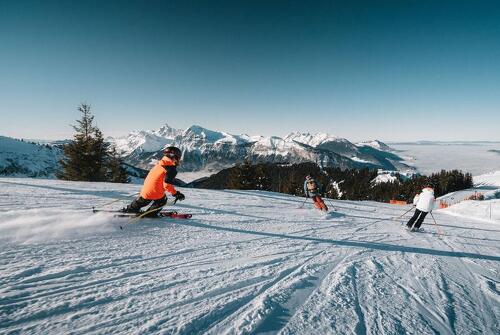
<point>353,184</point>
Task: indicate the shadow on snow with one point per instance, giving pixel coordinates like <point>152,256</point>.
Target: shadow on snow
<point>344,243</point>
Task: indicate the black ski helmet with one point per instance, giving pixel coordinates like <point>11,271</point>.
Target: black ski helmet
<point>173,152</point>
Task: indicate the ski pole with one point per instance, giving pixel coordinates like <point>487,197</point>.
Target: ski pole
<point>331,204</point>
<point>148,212</point>
<point>392,218</point>
<point>112,202</point>
<point>142,215</point>
<point>405,213</point>
<point>439,230</point>
<point>399,217</point>
<point>303,203</point>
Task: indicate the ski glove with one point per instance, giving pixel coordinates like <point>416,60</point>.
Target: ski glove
<point>179,196</point>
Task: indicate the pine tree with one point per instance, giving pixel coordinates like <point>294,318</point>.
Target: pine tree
<point>88,157</point>
<point>76,165</point>
<point>99,156</point>
<point>247,176</point>
<point>262,180</point>
<point>116,172</point>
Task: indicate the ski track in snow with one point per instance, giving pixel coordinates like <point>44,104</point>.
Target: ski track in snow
<point>248,262</point>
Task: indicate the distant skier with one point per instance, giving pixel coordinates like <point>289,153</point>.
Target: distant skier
<point>159,179</point>
<point>312,189</point>
<point>424,203</point>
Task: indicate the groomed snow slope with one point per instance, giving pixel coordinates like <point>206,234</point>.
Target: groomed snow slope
<point>489,186</point>
<point>246,263</point>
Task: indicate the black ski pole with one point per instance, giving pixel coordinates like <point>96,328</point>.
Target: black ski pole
<point>303,203</point>
<point>116,200</point>
<point>439,230</point>
<point>406,212</point>
<point>392,218</point>
<point>399,217</point>
<point>330,202</point>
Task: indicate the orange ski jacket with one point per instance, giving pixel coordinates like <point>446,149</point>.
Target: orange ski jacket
<point>159,180</point>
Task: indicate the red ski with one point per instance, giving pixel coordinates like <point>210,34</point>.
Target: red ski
<point>174,215</point>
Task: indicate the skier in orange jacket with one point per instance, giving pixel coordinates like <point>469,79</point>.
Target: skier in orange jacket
<point>159,179</point>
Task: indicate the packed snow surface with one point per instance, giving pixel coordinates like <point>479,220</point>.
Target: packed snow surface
<point>487,185</point>
<point>488,210</point>
<point>248,262</point>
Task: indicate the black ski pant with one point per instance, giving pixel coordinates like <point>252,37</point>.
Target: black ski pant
<point>140,202</point>
<point>416,219</point>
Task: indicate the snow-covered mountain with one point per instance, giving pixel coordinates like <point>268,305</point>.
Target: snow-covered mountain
<point>28,159</point>
<point>248,262</point>
<point>205,149</point>
<point>40,159</point>
<point>145,140</point>
<point>376,144</point>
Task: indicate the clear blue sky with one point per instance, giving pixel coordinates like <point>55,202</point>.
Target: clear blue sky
<point>392,70</point>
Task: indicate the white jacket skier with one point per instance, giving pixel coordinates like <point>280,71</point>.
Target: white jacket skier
<point>425,201</point>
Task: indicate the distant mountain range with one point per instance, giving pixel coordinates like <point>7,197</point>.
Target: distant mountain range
<point>209,150</point>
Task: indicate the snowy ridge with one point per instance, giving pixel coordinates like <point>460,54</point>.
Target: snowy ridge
<point>376,144</point>
<point>247,262</point>
<point>145,140</point>
<point>19,158</point>
<point>488,179</point>
<point>141,140</point>
<point>313,140</point>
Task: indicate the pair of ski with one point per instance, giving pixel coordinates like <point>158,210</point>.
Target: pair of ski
<point>414,230</point>
<point>161,214</point>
